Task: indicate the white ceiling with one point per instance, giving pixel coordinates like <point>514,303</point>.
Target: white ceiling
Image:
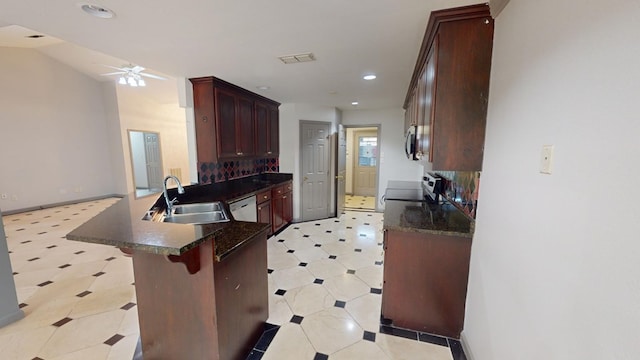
<point>240,41</point>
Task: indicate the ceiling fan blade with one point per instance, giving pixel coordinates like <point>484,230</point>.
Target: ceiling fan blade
<point>152,76</point>
<point>113,67</point>
<point>136,69</point>
<point>114,73</point>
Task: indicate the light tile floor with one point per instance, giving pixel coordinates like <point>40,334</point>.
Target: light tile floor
<point>325,281</point>
<point>362,203</point>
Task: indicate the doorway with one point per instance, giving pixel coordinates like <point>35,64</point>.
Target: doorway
<point>146,162</point>
<point>362,163</point>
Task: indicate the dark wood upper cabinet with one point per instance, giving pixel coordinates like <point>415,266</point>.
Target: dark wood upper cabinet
<point>262,127</point>
<point>267,127</point>
<point>274,128</point>
<point>245,134</point>
<point>451,80</point>
<point>228,122</point>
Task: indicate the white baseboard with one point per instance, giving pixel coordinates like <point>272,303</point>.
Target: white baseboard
<point>466,347</point>
<point>46,206</point>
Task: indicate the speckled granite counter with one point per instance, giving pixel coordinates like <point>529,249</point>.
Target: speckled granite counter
<point>441,219</point>
<point>121,225</point>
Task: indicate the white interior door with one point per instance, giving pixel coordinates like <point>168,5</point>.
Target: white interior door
<point>315,157</point>
<point>365,163</point>
<point>154,164</point>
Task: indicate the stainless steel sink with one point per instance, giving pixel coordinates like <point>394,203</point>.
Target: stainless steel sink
<point>198,218</point>
<point>197,208</point>
<point>198,214</point>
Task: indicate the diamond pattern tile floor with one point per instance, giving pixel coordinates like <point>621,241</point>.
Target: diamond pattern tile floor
<point>325,280</point>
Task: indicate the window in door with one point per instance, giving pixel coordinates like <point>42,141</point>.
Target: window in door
<point>368,151</point>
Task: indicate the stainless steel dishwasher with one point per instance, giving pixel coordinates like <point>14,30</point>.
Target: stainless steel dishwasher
<point>244,209</point>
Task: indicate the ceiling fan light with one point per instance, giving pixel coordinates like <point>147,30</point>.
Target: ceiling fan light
<point>141,82</point>
<point>122,81</point>
<point>132,81</point>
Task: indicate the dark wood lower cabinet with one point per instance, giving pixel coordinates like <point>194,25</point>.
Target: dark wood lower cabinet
<point>264,209</point>
<point>282,205</point>
<point>425,281</point>
<point>218,312</point>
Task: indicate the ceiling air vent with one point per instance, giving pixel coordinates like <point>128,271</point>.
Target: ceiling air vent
<point>297,58</point>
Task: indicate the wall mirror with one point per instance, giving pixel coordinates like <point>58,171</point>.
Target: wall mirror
<point>146,162</point>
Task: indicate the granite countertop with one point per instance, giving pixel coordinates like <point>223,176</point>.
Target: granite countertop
<point>121,225</point>
<point>441,219</point>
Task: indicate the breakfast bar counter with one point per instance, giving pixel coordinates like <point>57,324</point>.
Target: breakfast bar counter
<point>201,289</point>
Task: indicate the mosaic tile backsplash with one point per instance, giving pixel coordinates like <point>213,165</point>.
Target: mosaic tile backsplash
<point>462,189</point>
<point>210,172</point>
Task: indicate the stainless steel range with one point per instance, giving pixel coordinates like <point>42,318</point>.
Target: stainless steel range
<point>433,186</point>
<point>428,190</point>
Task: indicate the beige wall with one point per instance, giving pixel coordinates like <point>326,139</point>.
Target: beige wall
<point>64,134</point>
<point>554,264</point>
<point>53,126</point>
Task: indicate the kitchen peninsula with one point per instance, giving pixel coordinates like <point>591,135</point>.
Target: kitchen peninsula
<point>201,289</point>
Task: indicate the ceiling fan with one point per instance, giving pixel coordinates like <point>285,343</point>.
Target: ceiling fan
<point>131,74</point>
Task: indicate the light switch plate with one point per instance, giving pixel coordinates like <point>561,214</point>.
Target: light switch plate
<point>546,159</point>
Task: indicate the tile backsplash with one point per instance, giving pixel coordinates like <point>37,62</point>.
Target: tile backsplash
<point>462,189</point>
<point>210,172</point>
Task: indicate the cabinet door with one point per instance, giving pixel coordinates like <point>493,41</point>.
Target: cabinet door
<point>262,128</point>
<point>274,128</point>
<point>429,75</point>
<point>245,128</point>
<point>287,207</point>
<point>461,94</point>
<point>277,203</point>
<point>204,122</point>
<point>225,103</point>
<point>264,214</point>
<point>410,115</point>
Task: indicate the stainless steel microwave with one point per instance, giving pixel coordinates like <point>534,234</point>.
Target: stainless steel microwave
<point>410,144</point>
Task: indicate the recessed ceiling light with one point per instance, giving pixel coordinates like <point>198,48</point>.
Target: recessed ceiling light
<point>369,77</point>
<point>355,103</point>
<point>263,87</point>
<point>97,11</point>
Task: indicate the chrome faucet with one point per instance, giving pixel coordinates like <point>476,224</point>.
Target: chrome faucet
<point>166,195</point>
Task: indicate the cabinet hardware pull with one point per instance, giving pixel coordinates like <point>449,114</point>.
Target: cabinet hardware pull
<point>265,196</point>
<point>205,119</point>
<point>259,208</point>
<point>239,153</point>
<point>269,152</point>
<point>284,197</point>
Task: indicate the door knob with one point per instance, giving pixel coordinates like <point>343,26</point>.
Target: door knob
<point>305,178</point>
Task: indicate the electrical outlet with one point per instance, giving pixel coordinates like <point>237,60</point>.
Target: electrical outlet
<point>546,159</point>
<point>14,197</point>
<point>4,196</point>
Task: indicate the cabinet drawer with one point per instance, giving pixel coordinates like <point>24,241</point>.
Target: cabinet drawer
<point>278,190</point>
<point>263,196</point>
